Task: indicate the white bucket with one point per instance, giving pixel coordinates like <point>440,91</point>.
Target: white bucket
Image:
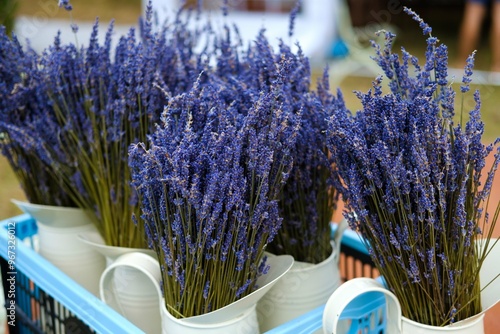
<point>305,287</point>
<point>62,248</point>
<point>395,322</point>
<point>238,317</point>
<point>58,229</point>
<point>133,294</point>
<point>245,323</point>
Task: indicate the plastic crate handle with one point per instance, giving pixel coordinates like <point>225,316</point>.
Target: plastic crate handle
<point>356,288</point>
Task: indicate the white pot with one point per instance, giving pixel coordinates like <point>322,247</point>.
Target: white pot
<point>339,309</point>
<point>245,323</point>
<point>130,285</point>
<point>94,240</point>
<point>356,307</point>
<point>239,317</point>
<point>473,325</point>
<point>305,287</point>
<point>58,242</point>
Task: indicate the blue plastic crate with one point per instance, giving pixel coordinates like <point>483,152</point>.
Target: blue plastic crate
<point>48,301</point>
<point>366,314</point>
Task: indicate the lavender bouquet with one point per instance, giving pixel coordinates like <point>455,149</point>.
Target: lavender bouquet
<point>209,186</point>
<point>22,106</point>
<point>412,181</point>
<point>92,103</point>
<point>309,199</point>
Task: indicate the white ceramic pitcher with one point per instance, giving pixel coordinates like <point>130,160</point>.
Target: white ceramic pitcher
<point>395,323</point>
<point>141,301</point>
<point>305,287</point>
<point>58,230</point>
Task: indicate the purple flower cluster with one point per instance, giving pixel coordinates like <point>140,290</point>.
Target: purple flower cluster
<point>411,180</point>
<point>66,5</point>
<point>22,107</point>
<point>210,176</point>
<point>308,199</point>
<point>81,108</point>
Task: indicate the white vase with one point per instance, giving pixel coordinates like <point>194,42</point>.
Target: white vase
<point>473,325</point>
<point>305,287</point>
<point>239,317</point>
<point>245,323</point>
<point>339,317</point>
<point>58,242</point>
<point>130,285</point>
<point>357,291</point>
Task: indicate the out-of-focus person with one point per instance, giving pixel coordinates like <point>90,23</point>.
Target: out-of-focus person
<point>475,12</point>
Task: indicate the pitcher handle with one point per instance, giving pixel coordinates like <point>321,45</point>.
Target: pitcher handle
<point>141,262</point>
<point>350,290</point>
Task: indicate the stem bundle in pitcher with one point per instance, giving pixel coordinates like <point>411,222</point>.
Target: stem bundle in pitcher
<point>72,112</point>
<point>412,180</point>
<point>209,186</point>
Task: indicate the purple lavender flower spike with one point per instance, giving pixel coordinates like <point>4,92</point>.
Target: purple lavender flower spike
<point>466,79</point>
<point>65,4</point>
<point>293,16</point>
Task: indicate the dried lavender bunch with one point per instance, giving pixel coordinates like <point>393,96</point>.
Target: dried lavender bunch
<point>209,188</point>
<point>411,179</point>
<point>21,106</point>
<point>117,104</point>
<point>308,199</point>
<point>98,104</point>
